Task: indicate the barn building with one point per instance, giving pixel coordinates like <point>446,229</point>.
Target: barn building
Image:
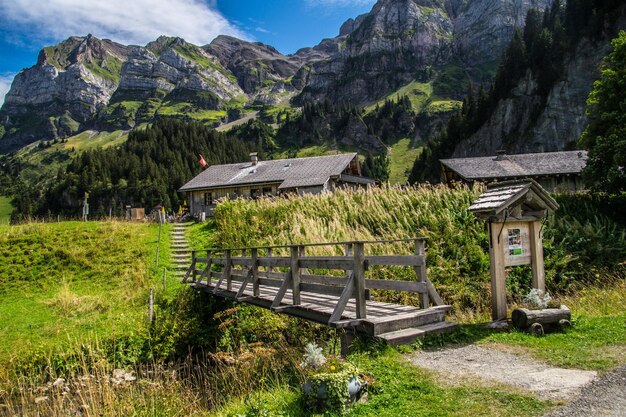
<point>554,171</point>
<point>257,178</point>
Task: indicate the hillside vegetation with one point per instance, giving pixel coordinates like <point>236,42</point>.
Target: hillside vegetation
<point>67,283</point>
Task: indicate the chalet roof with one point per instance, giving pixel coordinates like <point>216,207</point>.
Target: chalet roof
<point>289,173</point>
<point>504,195</point>
<point>521,165</point>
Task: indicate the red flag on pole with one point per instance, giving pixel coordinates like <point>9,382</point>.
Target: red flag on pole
<point>202,161</point>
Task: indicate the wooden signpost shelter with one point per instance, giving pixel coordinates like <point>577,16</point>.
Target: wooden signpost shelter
<point>514,211</point>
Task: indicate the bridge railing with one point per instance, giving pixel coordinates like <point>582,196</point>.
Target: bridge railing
<point>288,267</point>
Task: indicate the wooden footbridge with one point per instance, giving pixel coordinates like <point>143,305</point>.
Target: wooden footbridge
<point>332,290</point>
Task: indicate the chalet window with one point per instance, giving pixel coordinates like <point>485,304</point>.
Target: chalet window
<point>267,190</point>
<point>254,193</point>
<point>208,199</point>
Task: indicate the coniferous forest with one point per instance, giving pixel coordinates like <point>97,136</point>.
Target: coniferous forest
<point>541,48</point>
<point>145,171</point>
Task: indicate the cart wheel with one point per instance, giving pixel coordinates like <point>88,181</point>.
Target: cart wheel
<point>537,329</point>
<point>564,324</point>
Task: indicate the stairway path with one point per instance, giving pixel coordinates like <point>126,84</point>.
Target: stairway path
<point>181,251</point>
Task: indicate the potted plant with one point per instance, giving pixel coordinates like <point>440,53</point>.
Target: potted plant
<point>543,314</point>
<point>331,381</point>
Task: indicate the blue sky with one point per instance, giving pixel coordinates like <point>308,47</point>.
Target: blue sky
<point>28,25</point>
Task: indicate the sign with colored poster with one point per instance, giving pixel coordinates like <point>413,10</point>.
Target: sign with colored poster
<point>517,244</point>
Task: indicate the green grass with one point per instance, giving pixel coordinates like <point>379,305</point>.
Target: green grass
<point>401,389</point>
<point>444,106</point>
<point>91,140</point>
<point>597,339</point>
<point>419,94</point>
<point>189,110</point>
<point>402,157</point>
<point>73,282</point>
<point>5,210</point>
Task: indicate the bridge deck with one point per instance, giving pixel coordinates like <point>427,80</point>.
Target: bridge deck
<point>381,317</point>
<point>286,284</point>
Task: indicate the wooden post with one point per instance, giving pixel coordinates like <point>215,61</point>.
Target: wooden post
<point>269,255</point>
<point>498,281</point>
<point>421,272</point>
<point>359,279</point>
<point>164,278</point>
<point>255,272</point>
<point>347,338</point>
<point>295,275</point>
<point>301,252</point>
<point>536,256</point>
<point>227,269</point>
<point>193,273</point>
<point>157,258</point>
<point>150,306</point>
<point>208,267</point>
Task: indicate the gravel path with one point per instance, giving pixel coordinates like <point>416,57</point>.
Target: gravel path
<point>606,396</point>
<point>546,382</point>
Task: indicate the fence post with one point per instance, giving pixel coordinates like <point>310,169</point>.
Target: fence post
<point>227,269</point>
<point>164,278</point>
<point>193,263</point>
<point>150,306</point>
<point>295,275</point>
<point>420,250</point>
<point>359,279</point>
<point>255,272</point>
<point>269,255</point>
<point>209,262</point>
<point>157,258</point>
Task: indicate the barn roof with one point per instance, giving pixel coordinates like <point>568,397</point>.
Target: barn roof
<point>289,173</point>
<point>521,165</point>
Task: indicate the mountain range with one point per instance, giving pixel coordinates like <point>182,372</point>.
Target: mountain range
<point>90,83</point>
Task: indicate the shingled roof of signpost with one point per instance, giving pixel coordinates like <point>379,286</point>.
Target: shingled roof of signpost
<point>503,195</point>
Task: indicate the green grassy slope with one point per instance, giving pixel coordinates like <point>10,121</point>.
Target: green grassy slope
<point>402,156</point>
<point>66,283</point>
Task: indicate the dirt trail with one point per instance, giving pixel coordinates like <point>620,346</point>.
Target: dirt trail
<point>545,381</point>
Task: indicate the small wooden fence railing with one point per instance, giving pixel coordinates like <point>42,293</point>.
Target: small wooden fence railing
<point>257,267</point>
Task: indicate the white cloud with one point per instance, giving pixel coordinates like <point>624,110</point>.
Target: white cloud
<point>339,3</point>
<point>124,21</point>
<point>5,84</point>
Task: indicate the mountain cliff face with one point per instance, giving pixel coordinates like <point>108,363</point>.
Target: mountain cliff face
<point>87,83</point>
<point>525,122</point>
<point>403,40</point>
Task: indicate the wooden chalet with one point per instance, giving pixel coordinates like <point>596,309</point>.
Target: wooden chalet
<point>554,171</point>
<point>256,178</point>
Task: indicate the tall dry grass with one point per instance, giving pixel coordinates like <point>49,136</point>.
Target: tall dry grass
<point>192,387</point>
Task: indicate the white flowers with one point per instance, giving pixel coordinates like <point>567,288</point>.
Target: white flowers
<point>537,298</point>
<point>313,357</point>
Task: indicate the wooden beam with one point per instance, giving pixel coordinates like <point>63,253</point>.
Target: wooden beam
<point>327,262</point>
<point>420,271</point>
<point>348,292</point>
<point>282,261</point>
<point>255,272</point>
<point>498,281</point>
<point>536,256</point>
<point>396,285</point>
<point>281,291</point>
<point>295,275</point>
<point>359,279</point>
<point>396,260</point>
<point>227,269</point>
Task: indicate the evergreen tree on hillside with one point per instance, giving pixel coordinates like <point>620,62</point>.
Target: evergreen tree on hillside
<point>540,51</point>
<point>145,171</point>
<point>605,135</point>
